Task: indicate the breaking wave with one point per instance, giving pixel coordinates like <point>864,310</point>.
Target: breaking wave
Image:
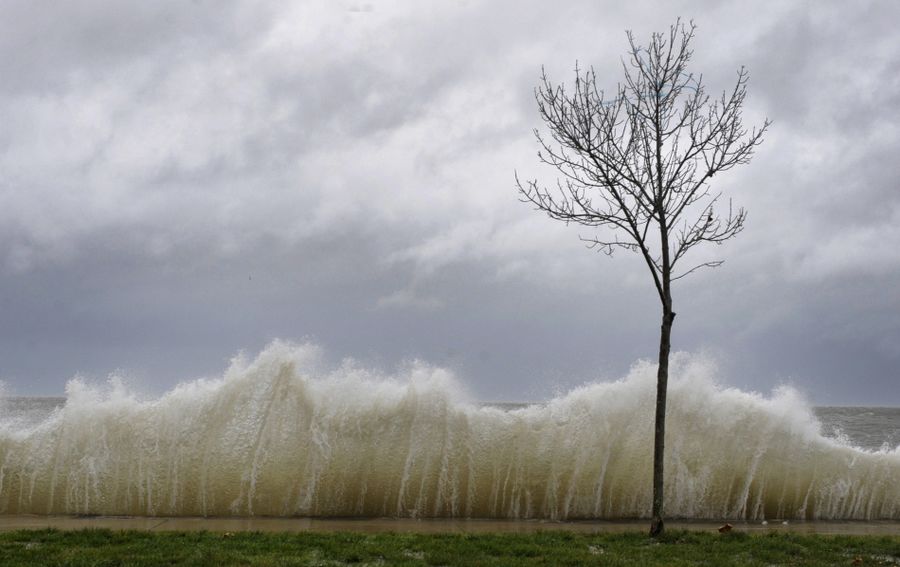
<point>278,436</point>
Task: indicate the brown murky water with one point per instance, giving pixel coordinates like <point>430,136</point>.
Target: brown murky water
<point>274,439</point>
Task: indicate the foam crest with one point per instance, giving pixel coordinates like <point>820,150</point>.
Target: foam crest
<point>283,435</point>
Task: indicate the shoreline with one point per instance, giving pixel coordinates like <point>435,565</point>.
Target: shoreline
<point>424,526</point>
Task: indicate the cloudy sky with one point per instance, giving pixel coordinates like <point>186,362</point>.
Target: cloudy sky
<point>183,181</point>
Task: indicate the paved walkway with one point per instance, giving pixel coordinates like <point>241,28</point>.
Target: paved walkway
<point>9,523</point>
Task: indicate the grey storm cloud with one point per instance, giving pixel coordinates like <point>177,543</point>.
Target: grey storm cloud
<point>180,181</point>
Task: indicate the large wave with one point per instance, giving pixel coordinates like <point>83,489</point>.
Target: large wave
<point>279,436</point>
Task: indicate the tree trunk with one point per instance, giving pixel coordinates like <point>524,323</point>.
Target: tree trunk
<point>659,440</point>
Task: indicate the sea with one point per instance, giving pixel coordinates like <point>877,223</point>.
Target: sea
<point>280,436</point>
<point>868,428</point>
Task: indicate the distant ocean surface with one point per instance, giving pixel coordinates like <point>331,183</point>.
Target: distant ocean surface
<point>870,428</point>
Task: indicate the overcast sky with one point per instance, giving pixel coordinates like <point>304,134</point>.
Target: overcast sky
<point>183,181</point>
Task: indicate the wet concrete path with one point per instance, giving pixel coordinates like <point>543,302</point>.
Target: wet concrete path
<point>370,525</point>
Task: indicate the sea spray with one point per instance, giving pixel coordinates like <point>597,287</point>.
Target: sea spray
<point>281,436</point>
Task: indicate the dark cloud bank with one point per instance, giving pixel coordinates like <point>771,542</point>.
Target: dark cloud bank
<point>183,181</point>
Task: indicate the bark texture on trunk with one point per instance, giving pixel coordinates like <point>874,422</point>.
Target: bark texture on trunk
<point>659,440</point>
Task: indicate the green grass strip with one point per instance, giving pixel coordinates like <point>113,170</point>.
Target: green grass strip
<point>106,548</point>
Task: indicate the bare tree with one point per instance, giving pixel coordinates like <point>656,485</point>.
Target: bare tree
<point>637,166</point>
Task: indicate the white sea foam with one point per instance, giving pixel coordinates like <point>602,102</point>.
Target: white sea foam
<point>281,436</point>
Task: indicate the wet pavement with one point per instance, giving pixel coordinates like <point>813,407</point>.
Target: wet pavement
<point>371,525</point>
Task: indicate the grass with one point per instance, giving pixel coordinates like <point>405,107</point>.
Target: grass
<point>105,548</point>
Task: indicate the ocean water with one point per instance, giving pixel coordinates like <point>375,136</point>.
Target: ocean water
<point>281,436</point>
